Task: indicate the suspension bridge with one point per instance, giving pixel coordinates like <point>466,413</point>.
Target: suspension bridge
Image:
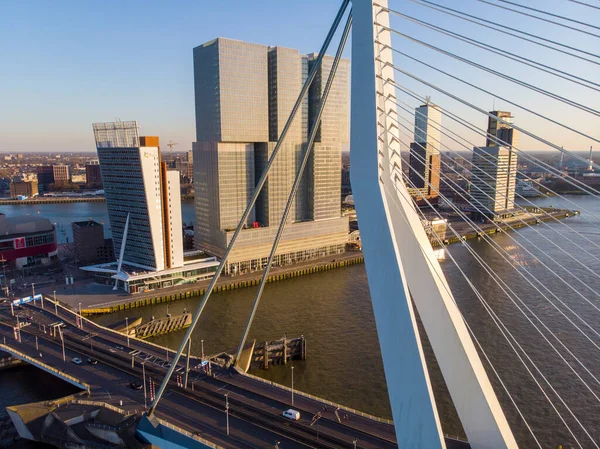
<point>415,162</point>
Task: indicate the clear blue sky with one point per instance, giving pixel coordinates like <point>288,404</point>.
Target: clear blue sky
<point>66,64</point>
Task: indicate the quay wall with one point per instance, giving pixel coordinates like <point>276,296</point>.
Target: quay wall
<point>231,284</point>
<point>93,199</point>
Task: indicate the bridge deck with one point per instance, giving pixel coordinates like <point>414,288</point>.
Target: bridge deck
<point>255,405</point>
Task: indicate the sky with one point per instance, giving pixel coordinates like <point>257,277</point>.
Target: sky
<point>67,64</point>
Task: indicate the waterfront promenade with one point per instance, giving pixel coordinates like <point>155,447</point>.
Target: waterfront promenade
<point>95,298</point>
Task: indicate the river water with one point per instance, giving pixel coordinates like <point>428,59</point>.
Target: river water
<point>333,310</point>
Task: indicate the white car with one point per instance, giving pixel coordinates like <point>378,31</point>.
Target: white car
<point>76,360</point>
<point>292,414</point>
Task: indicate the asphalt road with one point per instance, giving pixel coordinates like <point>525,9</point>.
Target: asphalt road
<point>255,407</point>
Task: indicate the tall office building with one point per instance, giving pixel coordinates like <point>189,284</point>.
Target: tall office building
<point>137,183</point>
<point>244,95</point>
<point>424,172</point>
<point>493,184</point>
<point>505,134</point>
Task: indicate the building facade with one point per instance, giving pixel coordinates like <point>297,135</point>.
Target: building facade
<point>93,175</point>
<point>244,94</point>
<point>501,133</point>
<point>45,177</point>
<point>493,182</point>
<point>26,241</point>
<point>137,184</point>
<point>425,158</point>
<point>62,174</point>
<point>89,243</point>
<point>23,188</point>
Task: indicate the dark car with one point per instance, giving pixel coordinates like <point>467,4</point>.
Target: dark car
<point>92,361</point>
<point>136,385</point>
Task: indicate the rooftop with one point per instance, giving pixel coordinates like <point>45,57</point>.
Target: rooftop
<point>23,224</point>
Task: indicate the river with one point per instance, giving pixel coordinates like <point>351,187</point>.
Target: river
<point>333,310</point>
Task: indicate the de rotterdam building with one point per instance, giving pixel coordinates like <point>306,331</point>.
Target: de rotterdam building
<point>244,94</point>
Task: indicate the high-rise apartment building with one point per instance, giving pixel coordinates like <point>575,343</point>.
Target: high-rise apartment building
<point>424,162</point>
<point>493,181</point>
<point>137,184</point>
<point>504,133</point>
<point>244,95</point>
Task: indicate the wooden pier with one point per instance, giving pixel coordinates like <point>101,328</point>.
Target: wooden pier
<point>278,352</point>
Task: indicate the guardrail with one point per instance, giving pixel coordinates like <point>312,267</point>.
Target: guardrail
<point>112,331</point>
<point>316,398</point>
<point>189,434</point>
<point>46,367</point>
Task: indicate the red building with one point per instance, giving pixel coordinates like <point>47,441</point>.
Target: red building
<point>27,241</point>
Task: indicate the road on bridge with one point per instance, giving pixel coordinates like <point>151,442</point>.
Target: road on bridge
<point>255,406</point>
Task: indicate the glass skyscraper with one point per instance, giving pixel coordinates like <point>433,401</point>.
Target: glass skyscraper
<point>244,94</point>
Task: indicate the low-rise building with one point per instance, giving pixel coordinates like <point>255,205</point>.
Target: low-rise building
<point>90,245</point>
<point>27,241</point>
<point>23,189</point>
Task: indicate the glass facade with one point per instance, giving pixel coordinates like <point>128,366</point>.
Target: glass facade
<point>244,95</point>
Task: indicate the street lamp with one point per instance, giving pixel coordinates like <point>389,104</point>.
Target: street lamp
<point>62,339</point>
<point>55,304</point>
<point>18,330</point>
<point>227,410</point>
<point>80,317</point>
<point>292,384</point>
<point>354,442</point>
<point>126,328</point>
<point>144,379</point>
<point>202,341</point>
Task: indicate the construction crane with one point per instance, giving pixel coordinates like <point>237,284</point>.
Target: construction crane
<point>171,145</point>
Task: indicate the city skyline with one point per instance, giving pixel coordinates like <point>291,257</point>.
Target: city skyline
<point>76,88</point>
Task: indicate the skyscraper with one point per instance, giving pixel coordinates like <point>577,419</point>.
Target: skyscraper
<point>137,184</point>
<point>505,134</point>
<point>424,172</point>
<point>493,180</point>
<point>244,95</point>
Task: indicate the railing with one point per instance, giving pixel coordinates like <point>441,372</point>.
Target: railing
<point>189,434</point>
<point>99,326</point>
<point>316,398</point>
<point>56,371</point>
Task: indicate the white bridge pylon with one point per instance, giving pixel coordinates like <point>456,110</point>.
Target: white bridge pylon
<point>401,264</point>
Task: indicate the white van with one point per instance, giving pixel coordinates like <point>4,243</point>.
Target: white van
<point>292,414</point>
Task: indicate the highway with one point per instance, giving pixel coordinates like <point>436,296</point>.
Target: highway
<point>255,407</point>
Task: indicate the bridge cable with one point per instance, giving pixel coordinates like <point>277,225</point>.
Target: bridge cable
<point>261,182</point>
<point>500,52</point>
<point>553,22</point>
<point>469,18</point>
<point>518,128</point>
<point>297,181</point>
<point>481,299</point>
<point>522,154</point>
<point>585,4</point>
<point>457,154</point>
<point>488,239</point>
<point>558,353</point>
<point>505,332</point>
<point>489,160</point>
<point>480,232</point>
